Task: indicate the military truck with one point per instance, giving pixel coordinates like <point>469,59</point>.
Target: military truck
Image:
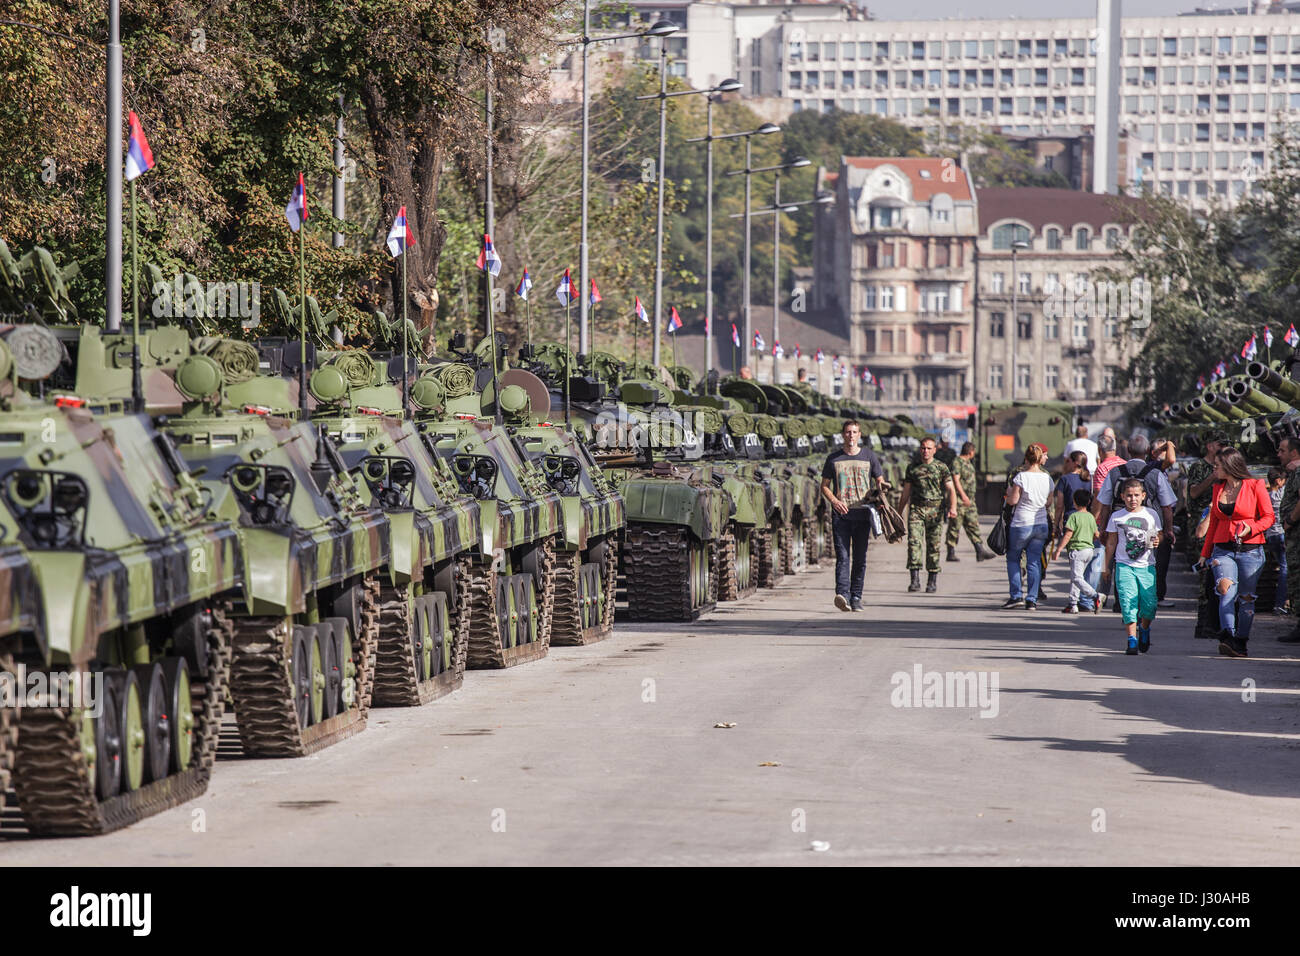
<point>1004,429</point>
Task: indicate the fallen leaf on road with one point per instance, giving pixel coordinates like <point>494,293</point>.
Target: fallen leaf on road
<point>724,725</point>
<point>769,763</point>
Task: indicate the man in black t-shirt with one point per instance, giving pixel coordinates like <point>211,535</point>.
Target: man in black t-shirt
<point>848,477</point>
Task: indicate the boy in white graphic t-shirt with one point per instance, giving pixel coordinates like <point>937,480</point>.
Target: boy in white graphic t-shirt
<point>1132,535</point>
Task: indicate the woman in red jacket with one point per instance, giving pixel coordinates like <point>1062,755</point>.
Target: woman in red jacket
<point>1240,513</point>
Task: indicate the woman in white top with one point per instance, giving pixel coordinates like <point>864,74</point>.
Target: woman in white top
<point>1027,532</point>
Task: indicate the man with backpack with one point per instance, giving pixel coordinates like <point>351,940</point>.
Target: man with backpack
<point>1160,497</point>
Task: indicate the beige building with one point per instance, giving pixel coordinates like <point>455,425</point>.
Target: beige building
<point>895,258</point>
<point>1043,328</point>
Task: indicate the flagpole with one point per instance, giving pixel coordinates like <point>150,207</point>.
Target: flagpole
<point>302,313</point>
<point>568,305</point>
<point>528,321</point>
<point>674,347</point>
<point>404,308</point>
<point>636,335</point>
<point>137,389</point>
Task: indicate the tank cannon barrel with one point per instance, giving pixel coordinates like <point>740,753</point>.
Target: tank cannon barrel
<point>1218,401</point>
<point>1198,407</point>
<point>1247,396</point>
<point>1286,389</point>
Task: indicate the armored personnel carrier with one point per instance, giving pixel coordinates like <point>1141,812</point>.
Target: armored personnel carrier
<point>120,647</point>
<point>424,618</point>
<point>306,628</point>
<point>512,574</point>
<point>651,453</point>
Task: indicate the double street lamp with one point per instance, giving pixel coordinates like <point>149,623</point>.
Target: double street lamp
<point>747,172</point>
<point>726,86</point>
<point>661,29</point>
<point>1014,331</point>
<point>823,198</point>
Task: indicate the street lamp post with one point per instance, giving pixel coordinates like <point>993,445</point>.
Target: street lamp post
<point>777,207</point>
<point>661,28</point>
<point>726,86</point>
<point>1016,246</point>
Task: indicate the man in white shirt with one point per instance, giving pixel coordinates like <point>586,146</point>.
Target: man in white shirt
<point>1081,442</point>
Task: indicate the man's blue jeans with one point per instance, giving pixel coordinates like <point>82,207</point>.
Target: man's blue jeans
<point>1241,570</point>
<point>1029,540</point>
<point>851,536</point>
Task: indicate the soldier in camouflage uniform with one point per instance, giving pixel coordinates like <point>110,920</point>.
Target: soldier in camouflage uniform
<point>1200,484</point>
<point>963,473</point>
<point>928,488</point>
<point>1289,453</point>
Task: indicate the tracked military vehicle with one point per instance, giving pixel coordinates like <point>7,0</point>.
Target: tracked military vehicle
<point>120,652</point>
<point>512,575</point>
<point>306,628</point>
<point>424,615</point>
<point>677,512</point>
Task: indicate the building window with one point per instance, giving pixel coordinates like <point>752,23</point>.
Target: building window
<point>1051,327</point>
<point>886,340</point>
<point>886,255</point>
<point>1053,239</point>
<point>1082,239</point>
<point>869,298</point>
<point>1110,327</point>
<point>1080,329</point>
<point>887,298</point>
<point>940,215</point>
<point>1023,374</point>
<point>996,281</point>
<point>1024,326</point>
<point>1005,235</point>
<point>1051,377</point>
<point>1051,282</point>
<point>1112,238</point>
<point>869,341</point>
<point>1108,376</point>
<point>1081,378</point>
<point>1024,283</point>
<point>997,325</point>
<point>995,377</point>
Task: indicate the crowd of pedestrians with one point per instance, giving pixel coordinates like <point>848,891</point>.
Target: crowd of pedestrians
<point>1110,513</point>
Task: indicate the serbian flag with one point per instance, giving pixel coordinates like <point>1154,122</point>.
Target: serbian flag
<point>867,376</point>
<point>777,351</point>
<point>488,260</point>
<point>674,320</point>
<point>640,310</point>
<point>525,284</point>
<point>567,292</point>
<point>1200,381</point>
<point>1221,370</point>
<point>1248,350</point>
<point>797,353</point>
<point>1292,337</point>
<point>735,336</point>
<point>139,157</point>
<point>296,211</point>
<point>595,293</point>
<point>399,237</point>
<point>820,357</point>
<point>1268,337</point>
<point>758,341</point>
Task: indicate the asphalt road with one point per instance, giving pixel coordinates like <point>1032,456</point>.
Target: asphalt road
<point>609,754</point>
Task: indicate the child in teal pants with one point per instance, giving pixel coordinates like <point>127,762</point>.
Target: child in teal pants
<point>1132,536</point>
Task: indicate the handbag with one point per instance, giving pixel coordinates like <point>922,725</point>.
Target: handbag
<point>997,540</point>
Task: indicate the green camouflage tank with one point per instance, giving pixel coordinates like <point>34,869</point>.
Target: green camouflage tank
<point>512,574</point>
<point>127,582</point>
<point>434,527</point>
<point>307,628</point>
<point>676,512</point>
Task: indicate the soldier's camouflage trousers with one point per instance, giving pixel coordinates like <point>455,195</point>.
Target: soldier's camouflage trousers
<point>1293,570</point>
<point>924,531</point>
<point>967,518</point>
